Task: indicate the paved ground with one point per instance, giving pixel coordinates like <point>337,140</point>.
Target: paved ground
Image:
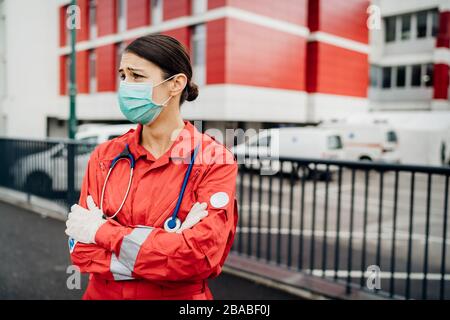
<point>35,258</point>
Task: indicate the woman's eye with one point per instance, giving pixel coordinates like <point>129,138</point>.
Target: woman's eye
<point>122,77</point>
<point>136,76</point>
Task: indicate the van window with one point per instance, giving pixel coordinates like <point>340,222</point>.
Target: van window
<point>263,142</point>
<point>113,136</point>
<point>92,139</point>
<point>391,136</point>
<point>334,143</point>
<point>87,146</point>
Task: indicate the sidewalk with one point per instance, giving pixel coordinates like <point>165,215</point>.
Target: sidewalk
<point>35,254</point>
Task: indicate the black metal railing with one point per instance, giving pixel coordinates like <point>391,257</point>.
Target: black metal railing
<point>327,219</point>
<point>49,169</point>
<point>336,219</point>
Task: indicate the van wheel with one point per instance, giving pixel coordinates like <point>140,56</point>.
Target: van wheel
<point>365,158</point>
<point>39,183</point>
<point>302,173</point>
<point>326,176</point>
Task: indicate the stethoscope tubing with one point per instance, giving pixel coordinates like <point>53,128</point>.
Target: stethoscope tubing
<point>128,188</point>
<point>172,223</point>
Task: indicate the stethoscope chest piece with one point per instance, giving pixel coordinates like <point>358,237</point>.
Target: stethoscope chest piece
<point>172,225</point>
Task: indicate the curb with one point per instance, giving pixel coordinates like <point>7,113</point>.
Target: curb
<point>31,203</point>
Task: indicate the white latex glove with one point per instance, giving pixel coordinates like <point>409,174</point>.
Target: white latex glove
<point>197,213</point>
<point>82,224</point>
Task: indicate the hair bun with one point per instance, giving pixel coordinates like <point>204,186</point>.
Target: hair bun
<point>192,91</point>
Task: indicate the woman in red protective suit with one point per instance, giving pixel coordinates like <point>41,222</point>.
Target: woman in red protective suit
<point>160,223</point>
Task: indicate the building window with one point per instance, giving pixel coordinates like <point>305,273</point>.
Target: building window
<point>416,75</point>
<point>199,6</point>
<point>420,75</point>
<point>434,23</point>
<point>68,31</point>
<point>92,75</point>
<point>199,54</point>
<point>92,19</point>
<point>374,71</point>
<point>120,47</point>
<point>390,28</point>
<point>406,27</point>
<point>121,15</point>
<point>422,24</point>
<point>68,61</point>
<point>156,11</point>
<point>387,77</point>
<point>401,77</point>
<point>400,27</point>
<point>428,76</point>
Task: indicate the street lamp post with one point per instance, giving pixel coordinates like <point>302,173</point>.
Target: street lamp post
<point>72,125</point>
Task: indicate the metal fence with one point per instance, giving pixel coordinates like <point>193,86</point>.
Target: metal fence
<point>350,221</point>
<point>340,221</point>
<point>50,169</point>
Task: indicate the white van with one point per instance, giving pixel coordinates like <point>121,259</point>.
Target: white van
<point>368,141</point>
<point>100,133</point>
<point>291,142</point>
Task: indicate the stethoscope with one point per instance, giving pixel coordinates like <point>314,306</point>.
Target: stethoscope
<point>172,223</point>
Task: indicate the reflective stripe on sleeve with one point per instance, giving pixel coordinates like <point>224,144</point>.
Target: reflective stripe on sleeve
<point>131,244</point>
<point>119,271</point>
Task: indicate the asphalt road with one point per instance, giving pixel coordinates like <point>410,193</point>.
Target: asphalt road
<point>34,261</point>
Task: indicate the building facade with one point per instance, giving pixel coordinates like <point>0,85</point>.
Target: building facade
<point>258,63</point>
<point>410,56</point>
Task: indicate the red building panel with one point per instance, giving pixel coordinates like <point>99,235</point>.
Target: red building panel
<point>215,51</point>
<point>264,57</point>
<point>345,19</point>
<point>181,34</point>
<point>213,4</point>
<point>441,81</point>
<point>443,37</point>
<point>83,32</point>
<point>106,68</point>
<point>62,26</point>
<point>82,71</point>
<point>293,11</point>
<point>106,17</point>
<point>312,66</point>
<point>62,75</point>
<point>176,8</point>
<point>138,13</point>
<point>335,70</point>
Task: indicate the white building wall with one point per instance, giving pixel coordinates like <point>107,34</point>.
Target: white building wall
<point>405,52</point>
<point>2,66</point>
<point>31,72</point>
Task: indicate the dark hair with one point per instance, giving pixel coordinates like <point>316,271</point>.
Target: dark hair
<point>168,54</point>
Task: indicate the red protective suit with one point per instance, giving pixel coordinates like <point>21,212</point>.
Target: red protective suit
<point>134,257</point>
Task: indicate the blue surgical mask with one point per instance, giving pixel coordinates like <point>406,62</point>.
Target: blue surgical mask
<point>136,104</point>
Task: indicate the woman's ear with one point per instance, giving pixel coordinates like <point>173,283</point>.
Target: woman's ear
<point>179,83</point>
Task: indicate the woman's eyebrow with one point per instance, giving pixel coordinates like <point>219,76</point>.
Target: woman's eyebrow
<point>132,69</point>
